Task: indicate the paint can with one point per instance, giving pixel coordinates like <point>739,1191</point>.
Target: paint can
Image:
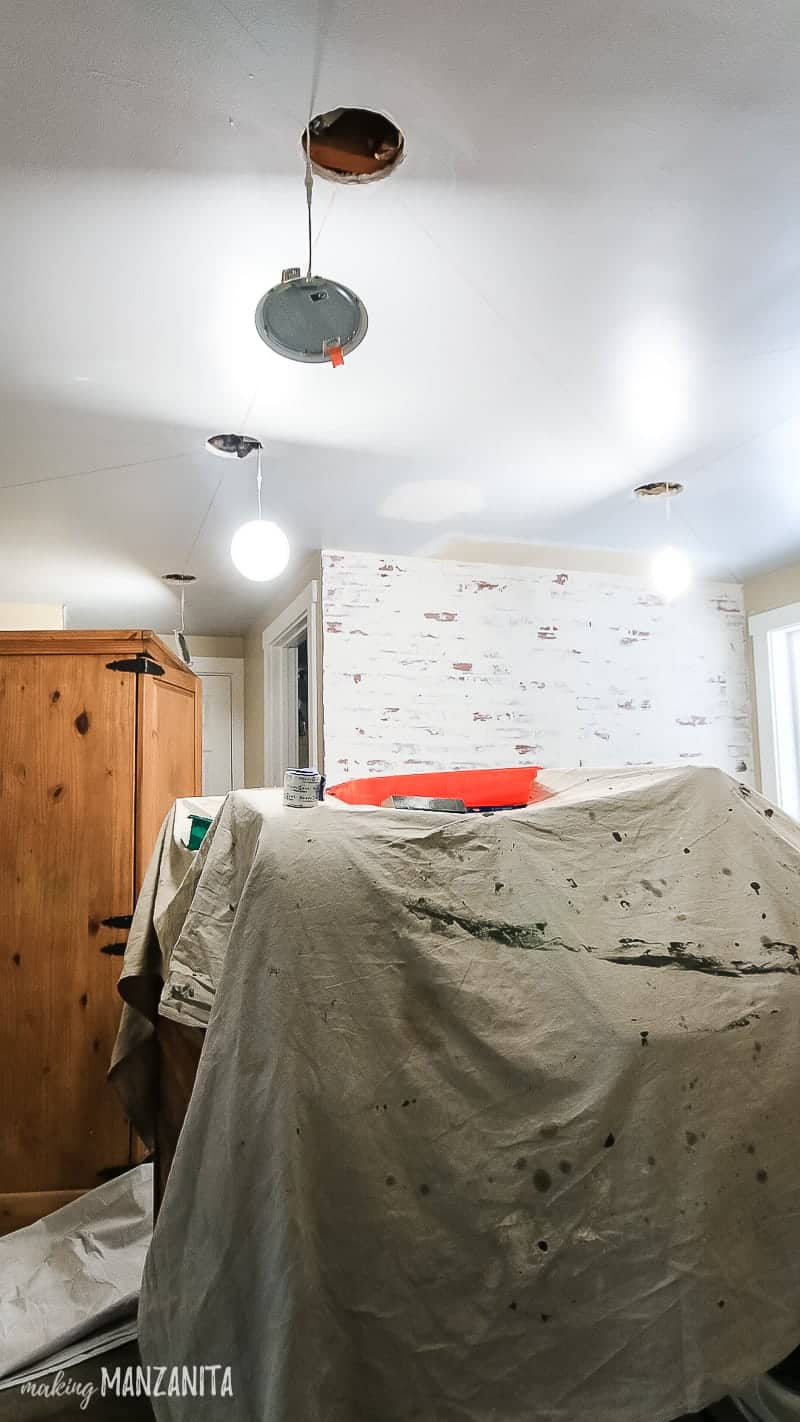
<point>301,788</point>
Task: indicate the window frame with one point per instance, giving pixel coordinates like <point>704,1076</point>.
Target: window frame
<point>776,656</point>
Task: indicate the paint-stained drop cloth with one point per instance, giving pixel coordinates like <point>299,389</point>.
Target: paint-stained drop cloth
<point>496,1118</point>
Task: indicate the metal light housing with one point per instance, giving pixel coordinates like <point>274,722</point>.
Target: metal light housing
<point>311,319</point>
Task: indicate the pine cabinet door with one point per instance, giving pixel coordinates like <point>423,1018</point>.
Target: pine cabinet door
<point>67,801</point>
<point>169,754</point>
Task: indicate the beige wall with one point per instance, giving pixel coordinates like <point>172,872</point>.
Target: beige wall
<point>770,590</point>
<point>541,555</point>
<point>290,588</point>
<point>209,646</point>
<point>31,617</point>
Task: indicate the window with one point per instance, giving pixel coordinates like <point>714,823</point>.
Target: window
<point>776,655</point>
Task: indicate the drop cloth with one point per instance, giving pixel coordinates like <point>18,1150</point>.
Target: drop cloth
<point>156,921</point>
<point>496,1117</point>
<point>180,931</point>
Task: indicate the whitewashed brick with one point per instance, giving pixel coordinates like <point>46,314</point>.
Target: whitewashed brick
<point>436,665</point>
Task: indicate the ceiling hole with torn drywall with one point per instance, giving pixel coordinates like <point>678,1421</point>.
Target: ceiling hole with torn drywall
<point>354,145</point>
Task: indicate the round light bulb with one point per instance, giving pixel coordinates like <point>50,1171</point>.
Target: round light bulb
<point>671,573</point>
<point>260,550</point>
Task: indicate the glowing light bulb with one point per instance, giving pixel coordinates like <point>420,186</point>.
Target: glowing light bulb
<point>260,550</point>
<point>671,573</point>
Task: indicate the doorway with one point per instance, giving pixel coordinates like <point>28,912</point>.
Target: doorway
<point>291,720</point>
<point>223,723</point>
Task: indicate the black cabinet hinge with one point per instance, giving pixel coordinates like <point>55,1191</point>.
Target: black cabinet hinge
<point>141,665</point>
<point>120,920</point>
<point>114,950</point>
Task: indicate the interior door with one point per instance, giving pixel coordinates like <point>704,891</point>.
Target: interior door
<point>169,763</point>
<point>218,773</point>
<point>67,771</point>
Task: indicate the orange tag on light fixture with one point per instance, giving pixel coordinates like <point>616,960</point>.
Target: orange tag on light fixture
<point>336,354</point>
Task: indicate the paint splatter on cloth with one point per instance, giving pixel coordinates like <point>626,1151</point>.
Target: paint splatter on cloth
<point>491,1108</point>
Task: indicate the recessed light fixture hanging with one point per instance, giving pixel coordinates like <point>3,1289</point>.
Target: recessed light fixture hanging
<point>182,581</point>
<point>259,549</point>
<point>670,570</point>
<point>311,318</point>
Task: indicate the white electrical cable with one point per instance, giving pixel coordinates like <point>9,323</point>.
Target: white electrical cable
<point>309,193</point>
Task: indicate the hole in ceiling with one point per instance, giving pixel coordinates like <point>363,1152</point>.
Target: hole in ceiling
<point>354,145</point>
<point>658,489</point>
<point>232,446</point>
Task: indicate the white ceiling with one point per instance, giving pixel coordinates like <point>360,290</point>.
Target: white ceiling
<point>586,274</point>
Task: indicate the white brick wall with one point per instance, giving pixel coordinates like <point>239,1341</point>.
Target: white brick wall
<point>433,665</point>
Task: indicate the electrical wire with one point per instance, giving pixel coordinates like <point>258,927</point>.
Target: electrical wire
<point>106,469</point>
<point>203,523</point>
<point>321,228</point>
<point>325,12</point>
<point>309,193</point>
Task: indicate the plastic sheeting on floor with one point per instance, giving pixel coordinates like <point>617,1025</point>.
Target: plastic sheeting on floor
<point>496,1116</point>
<point>767,1400</point>
<point>74,1273</point>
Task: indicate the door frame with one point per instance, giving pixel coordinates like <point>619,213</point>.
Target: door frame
<point>280,640</point>
<point>234,668</point>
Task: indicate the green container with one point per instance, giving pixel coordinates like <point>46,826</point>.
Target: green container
<point>200,827</point>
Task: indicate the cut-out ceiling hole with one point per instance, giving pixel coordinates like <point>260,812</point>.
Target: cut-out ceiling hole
<point>232,446</point>
<point>354,145</point>
<point>659,489</point>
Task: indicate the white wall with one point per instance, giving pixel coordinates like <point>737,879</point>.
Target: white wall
<point>431,664</point>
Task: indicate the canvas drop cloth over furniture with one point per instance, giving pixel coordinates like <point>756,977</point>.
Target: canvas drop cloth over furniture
<point>496,1117</point>
<point>157,920</point>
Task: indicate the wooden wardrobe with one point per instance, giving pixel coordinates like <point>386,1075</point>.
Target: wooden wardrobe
<point>99,733</point>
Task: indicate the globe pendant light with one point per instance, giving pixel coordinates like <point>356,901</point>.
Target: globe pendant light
<point>671,573</point>
<point>670,570</point>
<point>259,549</point>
